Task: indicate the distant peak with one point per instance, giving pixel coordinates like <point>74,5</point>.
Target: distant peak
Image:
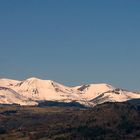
<point>33,78</point>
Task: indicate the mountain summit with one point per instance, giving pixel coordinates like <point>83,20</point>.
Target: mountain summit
<point>34,90</point>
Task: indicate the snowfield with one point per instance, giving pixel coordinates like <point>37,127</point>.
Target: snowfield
<point>33,90</point>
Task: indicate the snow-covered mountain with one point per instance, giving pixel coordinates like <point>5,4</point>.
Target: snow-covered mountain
<point>33,90</point>
<point>9,96</point>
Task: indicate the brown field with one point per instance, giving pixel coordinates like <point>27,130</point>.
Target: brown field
<point>110,121</point>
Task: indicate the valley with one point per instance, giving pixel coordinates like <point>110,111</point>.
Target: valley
<point>108,121</point>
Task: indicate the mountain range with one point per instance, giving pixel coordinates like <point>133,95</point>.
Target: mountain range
<point>32,91</point>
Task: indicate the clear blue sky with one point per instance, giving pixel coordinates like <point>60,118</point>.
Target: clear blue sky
<point>71,41</point>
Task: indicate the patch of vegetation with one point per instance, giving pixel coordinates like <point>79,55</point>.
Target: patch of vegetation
<point>109,121</point>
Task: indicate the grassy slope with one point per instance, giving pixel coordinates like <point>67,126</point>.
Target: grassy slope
<point>110,121</point>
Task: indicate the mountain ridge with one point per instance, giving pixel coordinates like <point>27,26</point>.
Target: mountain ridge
<point>34,90</point>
